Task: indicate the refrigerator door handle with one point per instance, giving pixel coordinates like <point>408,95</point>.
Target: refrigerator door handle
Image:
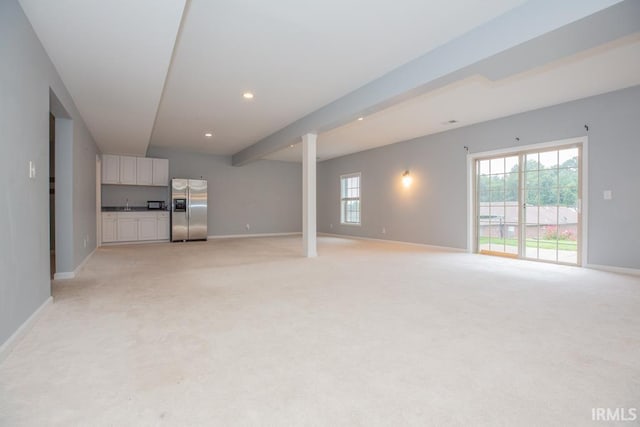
<point>188,203</point>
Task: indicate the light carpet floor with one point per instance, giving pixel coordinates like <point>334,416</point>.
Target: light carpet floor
<point>246,332</point>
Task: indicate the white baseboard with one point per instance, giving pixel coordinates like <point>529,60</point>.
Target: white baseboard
<point>424,245</point>
<point>66,275</point>
<point>13,340</point>
<point>613,269</point>
<point>236,236</point>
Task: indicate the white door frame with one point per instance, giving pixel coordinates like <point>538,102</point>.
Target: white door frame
<point>582,204</point>
<point>98,201</point>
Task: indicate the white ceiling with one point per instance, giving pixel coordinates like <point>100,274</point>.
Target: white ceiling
<point>113,57</point>
<point>164,72</point>
<point>476,99</point>
<point>296,56</point>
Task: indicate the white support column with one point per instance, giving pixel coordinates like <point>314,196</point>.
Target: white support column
<point>309,195</point>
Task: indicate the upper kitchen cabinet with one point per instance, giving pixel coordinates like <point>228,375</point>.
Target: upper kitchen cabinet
<point>128,166</point>
<point>161,172</point>
<point>128,170</point>
<point>110,169</point>
<point>144,171</point>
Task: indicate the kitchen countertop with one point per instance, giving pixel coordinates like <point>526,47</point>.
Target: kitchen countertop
<point>131,209</point>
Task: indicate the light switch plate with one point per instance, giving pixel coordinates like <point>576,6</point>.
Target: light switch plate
<point>607,195</point>
<point>32,170</point>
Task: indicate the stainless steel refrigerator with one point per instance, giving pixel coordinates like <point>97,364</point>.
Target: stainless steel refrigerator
<point>188,209</point>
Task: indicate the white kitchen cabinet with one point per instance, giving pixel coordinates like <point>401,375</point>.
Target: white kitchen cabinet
<point>110,169</point>
<point>134,226</point>
<point>128,170</point>
<point>109,233</point>
<point>160,172</point>
<point>144,171</point>
<point>127,229</point>
<point>162,226</point>
<point>147,227</point>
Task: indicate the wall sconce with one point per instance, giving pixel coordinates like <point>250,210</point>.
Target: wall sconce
<point>406,179</point>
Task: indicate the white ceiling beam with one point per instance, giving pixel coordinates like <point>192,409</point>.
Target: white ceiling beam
<point>534,34</point>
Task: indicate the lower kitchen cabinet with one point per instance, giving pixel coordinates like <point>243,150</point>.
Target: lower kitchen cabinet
<point>109,227</point>
<point>147,228</point>
<point>134,226</point>
<point>127,229</point>
<point>162,226</point>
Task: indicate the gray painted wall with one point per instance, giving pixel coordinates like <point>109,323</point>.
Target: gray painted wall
<point>266,194</point>
<point>117,195</point>
<point>64,194</point>
<point>434,210</point>
<point>84,193</point>
<point>26,78</point>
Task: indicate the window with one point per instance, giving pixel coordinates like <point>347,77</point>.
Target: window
<point>350,199</point>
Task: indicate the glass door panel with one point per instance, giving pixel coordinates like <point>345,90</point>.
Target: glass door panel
<point>497,205</point>
<point>568,209</point>
<point>483,205</point>
<point>550,190</point>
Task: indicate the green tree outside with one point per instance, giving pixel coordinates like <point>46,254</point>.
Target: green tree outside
<point>544,186</point>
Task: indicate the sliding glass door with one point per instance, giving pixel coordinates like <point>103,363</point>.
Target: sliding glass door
<point>528,205</point>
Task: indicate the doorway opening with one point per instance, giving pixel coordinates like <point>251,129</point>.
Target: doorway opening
<point>528,203</point>
<point>61,189</point>
<point>52,194</point>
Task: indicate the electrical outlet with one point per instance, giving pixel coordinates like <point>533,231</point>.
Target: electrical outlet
<point>331,226</point>
<point>608,195</point>
<point>85,242</point>
<point>384,230</point>
<point>248,227</point>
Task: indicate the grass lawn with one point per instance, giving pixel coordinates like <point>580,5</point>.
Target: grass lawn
<point>563,245</point>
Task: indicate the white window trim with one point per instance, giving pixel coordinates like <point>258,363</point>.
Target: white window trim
<point>351,175</point>
<point>472,157</point>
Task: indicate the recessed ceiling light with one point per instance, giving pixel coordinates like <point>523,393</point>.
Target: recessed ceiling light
<point>360,119</point>
<point>208,134</point>
<point>247,95</point>
<point>291,146</point>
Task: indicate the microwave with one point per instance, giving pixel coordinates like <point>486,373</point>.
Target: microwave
<point>155,205</point>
